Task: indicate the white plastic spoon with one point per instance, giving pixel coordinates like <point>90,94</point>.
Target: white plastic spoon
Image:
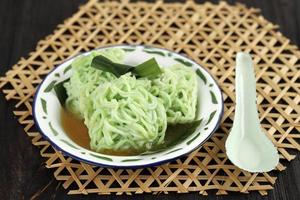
<point>247,146</point>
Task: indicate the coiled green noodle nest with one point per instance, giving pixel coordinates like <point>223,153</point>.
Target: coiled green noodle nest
<point>177,87</point>
<point>85,79</point>
<point>127,113</point>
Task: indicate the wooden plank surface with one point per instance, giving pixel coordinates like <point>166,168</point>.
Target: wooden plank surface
<point>22,175</point>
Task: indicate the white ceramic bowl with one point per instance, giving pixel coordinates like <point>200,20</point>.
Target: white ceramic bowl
<point>46,111</point>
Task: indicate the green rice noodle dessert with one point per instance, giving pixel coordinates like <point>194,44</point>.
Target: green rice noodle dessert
<point>125,116</point>
<point>131,110</point>
<point>177,88</point>
<point>85,79</point>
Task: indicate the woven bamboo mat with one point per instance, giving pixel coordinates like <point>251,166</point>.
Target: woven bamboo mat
<point>209,34</point>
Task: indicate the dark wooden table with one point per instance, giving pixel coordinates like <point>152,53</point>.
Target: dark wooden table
<point>22,172</point>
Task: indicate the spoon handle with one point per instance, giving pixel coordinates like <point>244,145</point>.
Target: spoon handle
<point>246,115</point>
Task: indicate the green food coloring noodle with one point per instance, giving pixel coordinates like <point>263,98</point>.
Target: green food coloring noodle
<point>85,79</point>
<point>125,116</point>
<point>127,113</point>
<point>177,87</point>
